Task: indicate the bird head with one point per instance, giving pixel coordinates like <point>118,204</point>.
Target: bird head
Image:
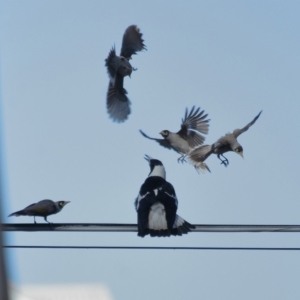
<point>156,167</point>
<point>61,204</point>
<point>165,133</point>
<point>239,151</point>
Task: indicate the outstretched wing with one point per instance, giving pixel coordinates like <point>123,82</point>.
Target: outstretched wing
<point>162,142</point>
<point>193,123</point>
<point>132,42</point>
<point>237,132</point>
<point>110,63</point>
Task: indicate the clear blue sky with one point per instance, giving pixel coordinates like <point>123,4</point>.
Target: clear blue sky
<point>232,58</point>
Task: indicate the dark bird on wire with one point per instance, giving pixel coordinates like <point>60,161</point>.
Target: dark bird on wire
<point>118,104</point>
<point>156,205</point>
<point>226,143</point>
<point>43,208</point>
<point>188,137</point>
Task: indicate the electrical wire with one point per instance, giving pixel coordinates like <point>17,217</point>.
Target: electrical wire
<point>155,248</point>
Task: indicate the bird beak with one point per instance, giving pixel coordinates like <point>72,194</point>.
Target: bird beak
<point>66,202</point>
<point>147,157</point>
<point>241,154</point>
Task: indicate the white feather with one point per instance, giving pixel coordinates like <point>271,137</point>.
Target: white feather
<point>158,171</point>
<point>140,197</point>
<point>178,222</point>
<point>157,217</point>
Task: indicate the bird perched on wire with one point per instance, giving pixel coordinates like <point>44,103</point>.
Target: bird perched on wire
<point>118,104</point>
<point>188,137</point>
<point>226,143</point>
<point>156,205</point>
<point>43,208</point>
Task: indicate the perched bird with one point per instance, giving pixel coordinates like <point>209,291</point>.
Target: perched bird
<point>188,137</point>
<point>156,205</point>
<point>118,104</point>
<point>43,208</point>
<point>226,143</point>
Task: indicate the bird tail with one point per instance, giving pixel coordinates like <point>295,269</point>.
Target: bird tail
<point>181,226</point>
<point>18,213</point>
<point>198,155</point>
<point>118,104</point>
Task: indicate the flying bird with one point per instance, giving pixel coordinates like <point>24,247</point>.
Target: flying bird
<point>188,137</point>
<point>118,104</point>
<point>43,208</point>
<point>226,143</point>
<point>156,205</point>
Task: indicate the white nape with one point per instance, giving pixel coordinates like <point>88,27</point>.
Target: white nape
<point>158,171</point>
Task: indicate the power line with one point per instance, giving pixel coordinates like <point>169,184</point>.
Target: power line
<point>111,227</point>
<point>155,248</point>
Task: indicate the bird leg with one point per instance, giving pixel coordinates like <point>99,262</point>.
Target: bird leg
<point>182,158</point>
<point>34,219</point>
<point>45,218</point>
<point>224,161</point>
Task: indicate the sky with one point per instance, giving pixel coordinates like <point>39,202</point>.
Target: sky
<point>232,59</point>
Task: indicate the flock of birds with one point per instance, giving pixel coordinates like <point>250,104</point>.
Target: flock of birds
<point>156,203</point>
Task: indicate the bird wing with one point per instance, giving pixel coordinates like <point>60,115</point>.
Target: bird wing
<point>132,42</point>
<point>110,63</point>
<point>117,103</point>
<point>170,202</point>
<point>143,203</point>
<point>162,142</point>
<point>44,207</point>
<point>193,123</point>
<point>237,132</point>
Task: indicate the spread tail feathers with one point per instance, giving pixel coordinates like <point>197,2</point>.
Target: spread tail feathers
<point>181,226</point>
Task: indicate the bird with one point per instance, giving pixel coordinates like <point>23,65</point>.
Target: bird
<point>43,208</point>
<point>118,104</point>
<point>226,143</point>
<point>156,205</point>
<point>188,137</point>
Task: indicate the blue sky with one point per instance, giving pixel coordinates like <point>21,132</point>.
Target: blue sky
<point>231,58</point>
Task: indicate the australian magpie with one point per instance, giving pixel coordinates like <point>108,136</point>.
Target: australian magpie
<point>156,205</point>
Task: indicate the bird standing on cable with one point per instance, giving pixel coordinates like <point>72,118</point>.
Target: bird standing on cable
<point>156,205</point>
<point>188,137</point>
<point>43,208</point>
<point>118,104</point>
<point>226,143</point>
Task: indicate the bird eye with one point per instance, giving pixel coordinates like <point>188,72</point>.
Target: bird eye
<point>237,150</point>
<point>61,203</point>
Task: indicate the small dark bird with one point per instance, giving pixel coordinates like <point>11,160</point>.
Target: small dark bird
<point>156,205</point>
<point>188,137</point>
<point>118,104</point>
<point>228,142</point>
<point>43,208</point>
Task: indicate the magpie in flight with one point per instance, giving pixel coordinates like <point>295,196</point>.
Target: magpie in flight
<point>118,104</point>
<point>226,143</point>
<point>188,137</point>
<point>43,208</point>
<point>156,205</point>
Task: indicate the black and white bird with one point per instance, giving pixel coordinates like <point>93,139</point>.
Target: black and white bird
<point>226,143</point>
<point>43,208</point>
<point>188,137</point>
<point>118,104</point>
<point>156,205</point>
